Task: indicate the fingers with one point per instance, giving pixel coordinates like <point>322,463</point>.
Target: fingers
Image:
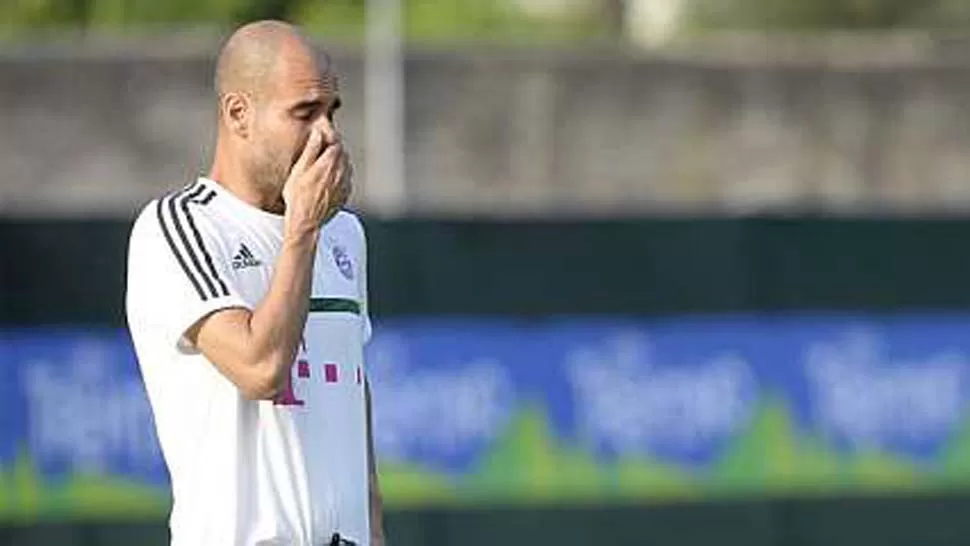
<point>346,176</point>
<point>343,177</point>
<point>330,134</point>
<point>311,151</point>
<point>329,174</point>
<point>331,156</point>
<point>326,165</point>
<point>335,176</point>
<point>342,185</point>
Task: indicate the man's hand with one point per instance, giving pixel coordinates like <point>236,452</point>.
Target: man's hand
<point>345,187</point>
<point>318,184</point>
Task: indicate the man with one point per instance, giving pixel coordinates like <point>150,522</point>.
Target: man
<point>247,305</point>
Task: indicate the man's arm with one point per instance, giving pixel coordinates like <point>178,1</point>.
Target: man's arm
<point>255,349</point>
<point>376,501</point>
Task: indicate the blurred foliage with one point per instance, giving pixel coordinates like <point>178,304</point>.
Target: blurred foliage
<point>423,19</point>
<point>489,20</point>
<point>828,14</point>
<point>31,15</point>
<point>447,19</point>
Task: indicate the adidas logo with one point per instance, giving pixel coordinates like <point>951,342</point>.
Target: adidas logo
<point>245,258</point>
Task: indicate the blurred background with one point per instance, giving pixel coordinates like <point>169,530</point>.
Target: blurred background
<point>677,272</point>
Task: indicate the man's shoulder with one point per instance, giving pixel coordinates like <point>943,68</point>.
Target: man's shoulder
<point>347,220</point>
<point>146,226</point>
<point>180,213</point>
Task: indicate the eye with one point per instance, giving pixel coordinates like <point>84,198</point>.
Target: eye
<point>306,111</point>
<point>305,115</point>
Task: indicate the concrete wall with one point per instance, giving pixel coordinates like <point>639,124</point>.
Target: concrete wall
<point>539,133</point>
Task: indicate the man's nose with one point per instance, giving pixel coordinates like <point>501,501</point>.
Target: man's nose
<point>327,129</point>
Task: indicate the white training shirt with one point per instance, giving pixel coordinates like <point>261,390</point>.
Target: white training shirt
<point>289,472</point>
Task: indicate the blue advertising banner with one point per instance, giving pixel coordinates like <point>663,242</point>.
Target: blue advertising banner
<point>546,411</point>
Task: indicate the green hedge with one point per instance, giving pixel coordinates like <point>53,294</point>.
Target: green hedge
<point>829,14</point>
<point>424,19</point>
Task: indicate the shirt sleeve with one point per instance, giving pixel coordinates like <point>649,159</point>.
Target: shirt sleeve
<point>177,271</point>
<point>362,283</point>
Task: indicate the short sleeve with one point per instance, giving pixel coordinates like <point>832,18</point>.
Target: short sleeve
<point>177,272</point>
<point>362,283</point>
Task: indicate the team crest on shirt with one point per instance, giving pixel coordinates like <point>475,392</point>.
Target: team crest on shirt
<point>342,259</point>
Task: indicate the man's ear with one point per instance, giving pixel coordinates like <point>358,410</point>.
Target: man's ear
<point>237,111</point>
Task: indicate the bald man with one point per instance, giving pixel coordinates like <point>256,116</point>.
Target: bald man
<point>247,305</point>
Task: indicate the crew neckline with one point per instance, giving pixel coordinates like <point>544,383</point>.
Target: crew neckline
<point>276,219</point>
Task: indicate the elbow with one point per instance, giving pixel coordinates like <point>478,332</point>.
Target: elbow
<point>266,382</point>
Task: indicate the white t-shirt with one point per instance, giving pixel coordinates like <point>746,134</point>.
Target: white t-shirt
<point>288,472</point>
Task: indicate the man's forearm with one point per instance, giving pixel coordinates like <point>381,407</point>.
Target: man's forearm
<point>255,349</point>
<point>277,323</point>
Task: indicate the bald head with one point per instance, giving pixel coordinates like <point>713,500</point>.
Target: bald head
<point>273,89</point>
<point>250,56</point>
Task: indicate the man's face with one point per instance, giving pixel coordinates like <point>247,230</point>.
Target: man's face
<point>302,94</point>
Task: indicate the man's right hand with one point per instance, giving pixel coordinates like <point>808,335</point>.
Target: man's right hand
<point>317,186</point>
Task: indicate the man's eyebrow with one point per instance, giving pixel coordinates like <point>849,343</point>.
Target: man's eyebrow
<point>309,104</point>
<point>313,104</point>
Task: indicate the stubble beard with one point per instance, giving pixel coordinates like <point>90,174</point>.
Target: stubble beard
<point>269,173</point>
